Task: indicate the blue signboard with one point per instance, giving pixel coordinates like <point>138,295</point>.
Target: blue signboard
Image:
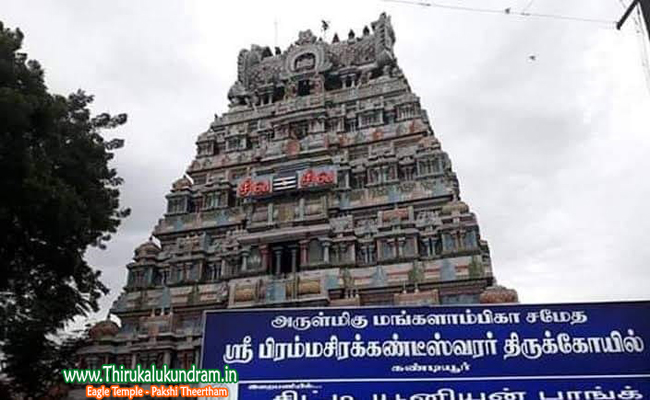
<point>594,351</point>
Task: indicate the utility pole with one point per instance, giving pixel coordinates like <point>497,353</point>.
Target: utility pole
<point>645,11</point>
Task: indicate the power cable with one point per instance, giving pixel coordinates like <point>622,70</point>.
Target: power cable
<point>641,36</point>
<point>643,47</point>
<point>506,11</point>
<point>530,3</point>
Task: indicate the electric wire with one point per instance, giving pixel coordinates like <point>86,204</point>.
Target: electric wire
<point>639,26</point>
<point>530,3</point>
<point>642,33</point>
<point>507,11</point>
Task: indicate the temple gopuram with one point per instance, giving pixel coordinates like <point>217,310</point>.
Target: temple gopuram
<point>322,185</point>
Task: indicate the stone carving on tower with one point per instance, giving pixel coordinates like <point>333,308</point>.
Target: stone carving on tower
<point>323,184</point>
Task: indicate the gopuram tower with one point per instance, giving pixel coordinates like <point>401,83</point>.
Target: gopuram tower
<point>322,185</point>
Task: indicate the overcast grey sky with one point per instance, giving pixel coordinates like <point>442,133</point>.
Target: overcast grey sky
<point>552,154</point>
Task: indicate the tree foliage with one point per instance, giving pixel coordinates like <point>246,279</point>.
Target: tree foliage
<point>59,196</point>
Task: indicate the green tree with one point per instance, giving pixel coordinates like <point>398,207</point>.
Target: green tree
<point>59,196</point>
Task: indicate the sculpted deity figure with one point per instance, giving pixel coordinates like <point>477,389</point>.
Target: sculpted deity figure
<point>348,281</point>
<point>291,90</point>
<point>237,94</point>
<point>318,84</point>
<point>416,274</point>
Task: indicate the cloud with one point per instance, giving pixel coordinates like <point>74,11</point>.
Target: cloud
<point>550,153</point>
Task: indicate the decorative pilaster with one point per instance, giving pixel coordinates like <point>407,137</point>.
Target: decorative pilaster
<point>301,208</point>
<point>278,260</point>
<point>244,260</point>
<point>294,259</point>
<point>326,251</point>
<point>199,272</point>
<point>270,213</point>
<point>400,247</point>
<point>304,249</point>
<point>294,269</point>
<point>264,251</point>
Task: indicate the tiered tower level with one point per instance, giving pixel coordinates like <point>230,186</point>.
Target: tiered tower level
<point>322,185</point>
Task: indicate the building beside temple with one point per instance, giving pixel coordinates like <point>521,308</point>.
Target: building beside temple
<point>322,185</point>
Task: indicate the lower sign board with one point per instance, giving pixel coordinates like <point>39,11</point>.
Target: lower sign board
<point>592,351</point>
